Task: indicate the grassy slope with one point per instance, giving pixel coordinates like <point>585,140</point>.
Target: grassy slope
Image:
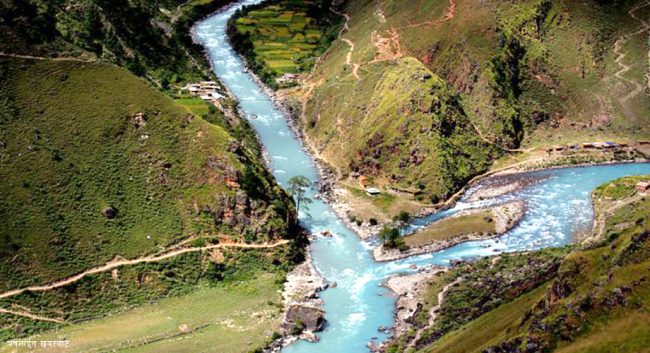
<point>518,69</point>
<point>70,147</point>
<point>150,38</point>
<point>233,317</point>
<point>402,125</point>
<point>599,292</point>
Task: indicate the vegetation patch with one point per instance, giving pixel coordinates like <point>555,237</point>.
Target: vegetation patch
<point>453,227</point>
<point>280,37</point>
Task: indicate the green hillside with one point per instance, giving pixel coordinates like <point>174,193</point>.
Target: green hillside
<point>150,38</point>
<point>527,73</point>
<point>98,166</point>
<point>410,129</point>
<point>592,300</point>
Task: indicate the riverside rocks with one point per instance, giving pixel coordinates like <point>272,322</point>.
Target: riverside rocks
<point>408,289</point>
<point>303,314</point>
<point>304,317</point>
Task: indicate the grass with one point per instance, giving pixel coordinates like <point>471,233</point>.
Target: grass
<point>486,330</point>
<point>382,207</point>
<point>453,227</point>
<point>235,317</point>
<point>402,126</point>
<point>71,147</point>
<point>622,334</point>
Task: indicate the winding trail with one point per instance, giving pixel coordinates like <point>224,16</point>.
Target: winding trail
<point>599,227</point>
<point>433,314</point>
<point>348,57</point>
<point>43,58</point>
<point>151,258</point>
<point>31,316</point>
<point>624,68</point>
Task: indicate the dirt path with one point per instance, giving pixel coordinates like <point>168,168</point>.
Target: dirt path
<point>598,230</point>
<point>433,314</point>
<point>31,316</point>
<point>487,140</point>
<point>348,57</point>
<point>42,58</point>
<point>624,68</point>
<point>151,258</point>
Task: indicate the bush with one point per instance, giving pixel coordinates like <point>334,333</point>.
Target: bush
<point>402,217</point>
<point>373,222</point>
<point>391,238</point>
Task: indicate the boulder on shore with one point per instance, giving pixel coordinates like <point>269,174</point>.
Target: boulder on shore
<point>312,319</point>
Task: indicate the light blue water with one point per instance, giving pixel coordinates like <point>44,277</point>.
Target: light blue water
<point>558,205</point>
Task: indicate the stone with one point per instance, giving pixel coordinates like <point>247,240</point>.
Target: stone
<point>312,319</point>
<point>109,212</point>
<point>184,328</point>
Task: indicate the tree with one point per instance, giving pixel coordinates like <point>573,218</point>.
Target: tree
<point>298,186</point>
<point>391,238</point>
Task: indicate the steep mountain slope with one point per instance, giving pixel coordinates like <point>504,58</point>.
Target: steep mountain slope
<point>524,73</point>
<point>403,125</point>
<point>592,300</point>
<point>150,38</point>
<point>96,164</point>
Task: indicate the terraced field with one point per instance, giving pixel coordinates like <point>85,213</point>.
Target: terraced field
<point>283,36</point>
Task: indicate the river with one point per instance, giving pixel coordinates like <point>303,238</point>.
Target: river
<point>557,205</point>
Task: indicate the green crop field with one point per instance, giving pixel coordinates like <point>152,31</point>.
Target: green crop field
<point>285,36</point>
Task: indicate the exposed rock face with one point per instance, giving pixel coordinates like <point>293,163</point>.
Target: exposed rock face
<point>138,120</point>
<point>310,318</point>
<point>109,212</point>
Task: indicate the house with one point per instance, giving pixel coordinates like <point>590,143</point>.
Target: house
<point>557,148</point>
<point>215,95</point>
<point>642,187</point>
<point>287,78</point>
<point>610,144</point>
<point>587,145</point>
<point>372,191</point>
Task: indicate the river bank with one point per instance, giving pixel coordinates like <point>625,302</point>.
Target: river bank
<point>409,289</point>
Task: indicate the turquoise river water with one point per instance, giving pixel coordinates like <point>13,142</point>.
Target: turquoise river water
<point>557,206</point>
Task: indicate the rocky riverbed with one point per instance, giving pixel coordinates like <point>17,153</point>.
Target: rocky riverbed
<point>303,313</point>
<point>409,288</point>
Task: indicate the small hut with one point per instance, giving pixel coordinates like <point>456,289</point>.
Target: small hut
<point>372,191</point>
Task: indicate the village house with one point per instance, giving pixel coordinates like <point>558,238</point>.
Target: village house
<point>642,187</point>
<point>287,78</point>
<point>206,90</point>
